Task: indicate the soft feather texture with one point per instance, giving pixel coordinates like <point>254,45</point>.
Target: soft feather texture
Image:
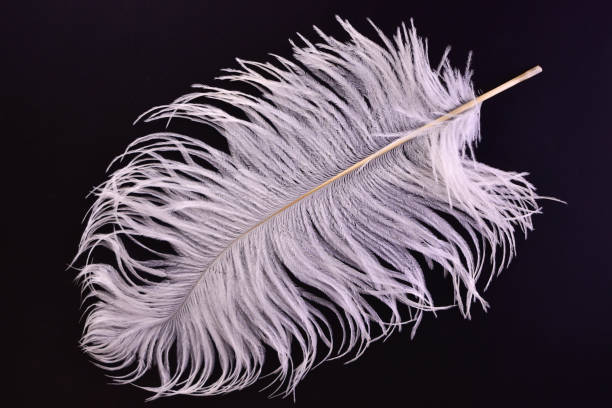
<point>239,286</point>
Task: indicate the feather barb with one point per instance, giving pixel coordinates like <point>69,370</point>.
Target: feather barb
<point>412,134</point>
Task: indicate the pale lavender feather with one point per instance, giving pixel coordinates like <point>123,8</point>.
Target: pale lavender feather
<point>222,297</point>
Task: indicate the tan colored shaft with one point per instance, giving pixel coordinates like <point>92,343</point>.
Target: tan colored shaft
<point>410,135</point>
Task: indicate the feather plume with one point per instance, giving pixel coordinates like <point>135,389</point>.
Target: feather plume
<point>258,265</point>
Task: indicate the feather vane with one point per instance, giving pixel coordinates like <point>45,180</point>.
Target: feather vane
<point>258,261</point>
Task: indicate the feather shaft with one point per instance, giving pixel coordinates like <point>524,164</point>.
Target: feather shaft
<point>409,136</point>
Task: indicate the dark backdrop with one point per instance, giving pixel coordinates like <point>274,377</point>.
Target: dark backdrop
<point>76,74</point>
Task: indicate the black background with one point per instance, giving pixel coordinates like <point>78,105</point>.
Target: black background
<point>76,74</point>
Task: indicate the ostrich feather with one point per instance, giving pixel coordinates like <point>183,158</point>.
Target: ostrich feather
<point>259,266</point>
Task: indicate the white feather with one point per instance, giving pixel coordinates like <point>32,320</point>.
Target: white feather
<point>239,281</point>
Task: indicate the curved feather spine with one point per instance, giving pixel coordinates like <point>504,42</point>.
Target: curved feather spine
<point>226,295</point>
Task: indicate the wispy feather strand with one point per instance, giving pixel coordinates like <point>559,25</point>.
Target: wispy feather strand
<point>238,281</point>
